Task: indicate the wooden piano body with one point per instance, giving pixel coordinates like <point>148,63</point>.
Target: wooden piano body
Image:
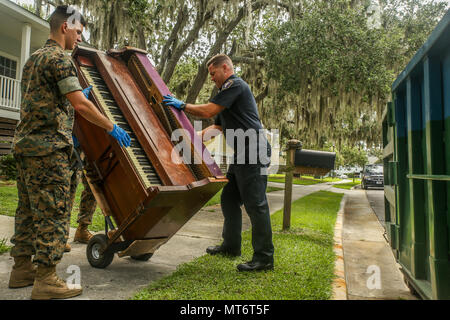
<point>148,189</point>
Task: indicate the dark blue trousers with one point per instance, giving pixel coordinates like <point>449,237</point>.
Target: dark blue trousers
<point>247,186</point>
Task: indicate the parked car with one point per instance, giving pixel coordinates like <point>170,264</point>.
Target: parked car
<point>372,176</point>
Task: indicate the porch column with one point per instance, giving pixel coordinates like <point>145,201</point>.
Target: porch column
<point>25,48</point>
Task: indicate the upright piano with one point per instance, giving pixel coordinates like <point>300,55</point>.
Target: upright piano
<point>148,191</point>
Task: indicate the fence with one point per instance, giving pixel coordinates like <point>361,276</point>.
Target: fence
<point>9,93</point>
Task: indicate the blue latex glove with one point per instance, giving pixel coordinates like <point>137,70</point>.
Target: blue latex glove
<point>76,144</point>
<point>87,91</point>
<point>121,136</point>
<point>172,101</point>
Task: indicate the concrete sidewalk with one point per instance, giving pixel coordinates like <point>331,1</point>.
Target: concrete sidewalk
<point>371,272</point>
<point>125,276</point>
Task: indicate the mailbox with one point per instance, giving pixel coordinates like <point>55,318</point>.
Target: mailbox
<point>310,162</point>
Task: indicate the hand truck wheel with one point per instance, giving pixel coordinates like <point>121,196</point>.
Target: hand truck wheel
<point>94,247</point>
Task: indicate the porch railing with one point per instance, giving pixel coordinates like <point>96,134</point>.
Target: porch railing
<point>9,94</point>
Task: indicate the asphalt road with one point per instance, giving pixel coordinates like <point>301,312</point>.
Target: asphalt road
<point>376,200</point>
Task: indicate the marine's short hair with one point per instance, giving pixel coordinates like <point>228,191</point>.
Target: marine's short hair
<point>220,59</point>
<point>62,14</point>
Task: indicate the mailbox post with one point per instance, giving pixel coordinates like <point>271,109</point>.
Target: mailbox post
<point>292,146</point>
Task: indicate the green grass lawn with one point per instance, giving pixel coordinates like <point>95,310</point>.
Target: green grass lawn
<point>8,199</point>
<point>304,262</point>
<point>348,185</point>
<point>304,180</point>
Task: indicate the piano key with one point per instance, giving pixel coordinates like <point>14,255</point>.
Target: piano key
<point>139,152</point>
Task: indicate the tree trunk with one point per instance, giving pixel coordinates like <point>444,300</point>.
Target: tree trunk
<point>202,73</point>
<point>200,21</point>
<point>198,83</point>
<point>38,7</point>
<point>171,42</point>
<point>141,38</point>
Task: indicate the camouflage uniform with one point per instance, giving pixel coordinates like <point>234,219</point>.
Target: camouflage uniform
<point>88,204</point>
<point>43,147</point>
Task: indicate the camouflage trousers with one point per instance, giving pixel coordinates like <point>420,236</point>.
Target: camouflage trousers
<point>42,216</point>
<point>88,204</point>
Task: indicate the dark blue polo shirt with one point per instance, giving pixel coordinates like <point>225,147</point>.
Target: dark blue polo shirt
<point>241,124</point>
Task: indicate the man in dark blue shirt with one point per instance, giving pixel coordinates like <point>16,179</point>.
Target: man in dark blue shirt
<point>237,117</point>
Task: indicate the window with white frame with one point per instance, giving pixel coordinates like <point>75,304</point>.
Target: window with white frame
<point>8,67</point>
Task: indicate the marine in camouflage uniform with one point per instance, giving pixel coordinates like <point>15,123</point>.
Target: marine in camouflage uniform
<point>43,148</point>
<point>88,204</point>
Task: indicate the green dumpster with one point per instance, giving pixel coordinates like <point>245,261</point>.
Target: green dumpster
<point>416,139</point>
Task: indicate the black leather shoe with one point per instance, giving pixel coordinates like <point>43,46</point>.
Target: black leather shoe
<point>255,266</point>
<point>223,251</point>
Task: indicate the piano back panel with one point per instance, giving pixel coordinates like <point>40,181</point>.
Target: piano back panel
<point>143,121</point>
<point>170,209</point>
<point>154,88</point>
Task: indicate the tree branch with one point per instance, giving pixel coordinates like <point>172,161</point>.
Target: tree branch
<point>262,95</point>
<point>202,73</point>
<point>200,21</point>
<point>172,38</point>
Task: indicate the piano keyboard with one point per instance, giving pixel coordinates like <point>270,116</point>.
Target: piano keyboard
<point>135,152</point>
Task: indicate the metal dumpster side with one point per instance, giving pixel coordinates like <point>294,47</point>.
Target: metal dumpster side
<point>416,139</point>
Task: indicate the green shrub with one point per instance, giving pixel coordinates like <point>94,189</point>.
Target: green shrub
<point>8,167</point>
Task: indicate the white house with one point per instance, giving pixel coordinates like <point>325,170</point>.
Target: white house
<point>21,33</point>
